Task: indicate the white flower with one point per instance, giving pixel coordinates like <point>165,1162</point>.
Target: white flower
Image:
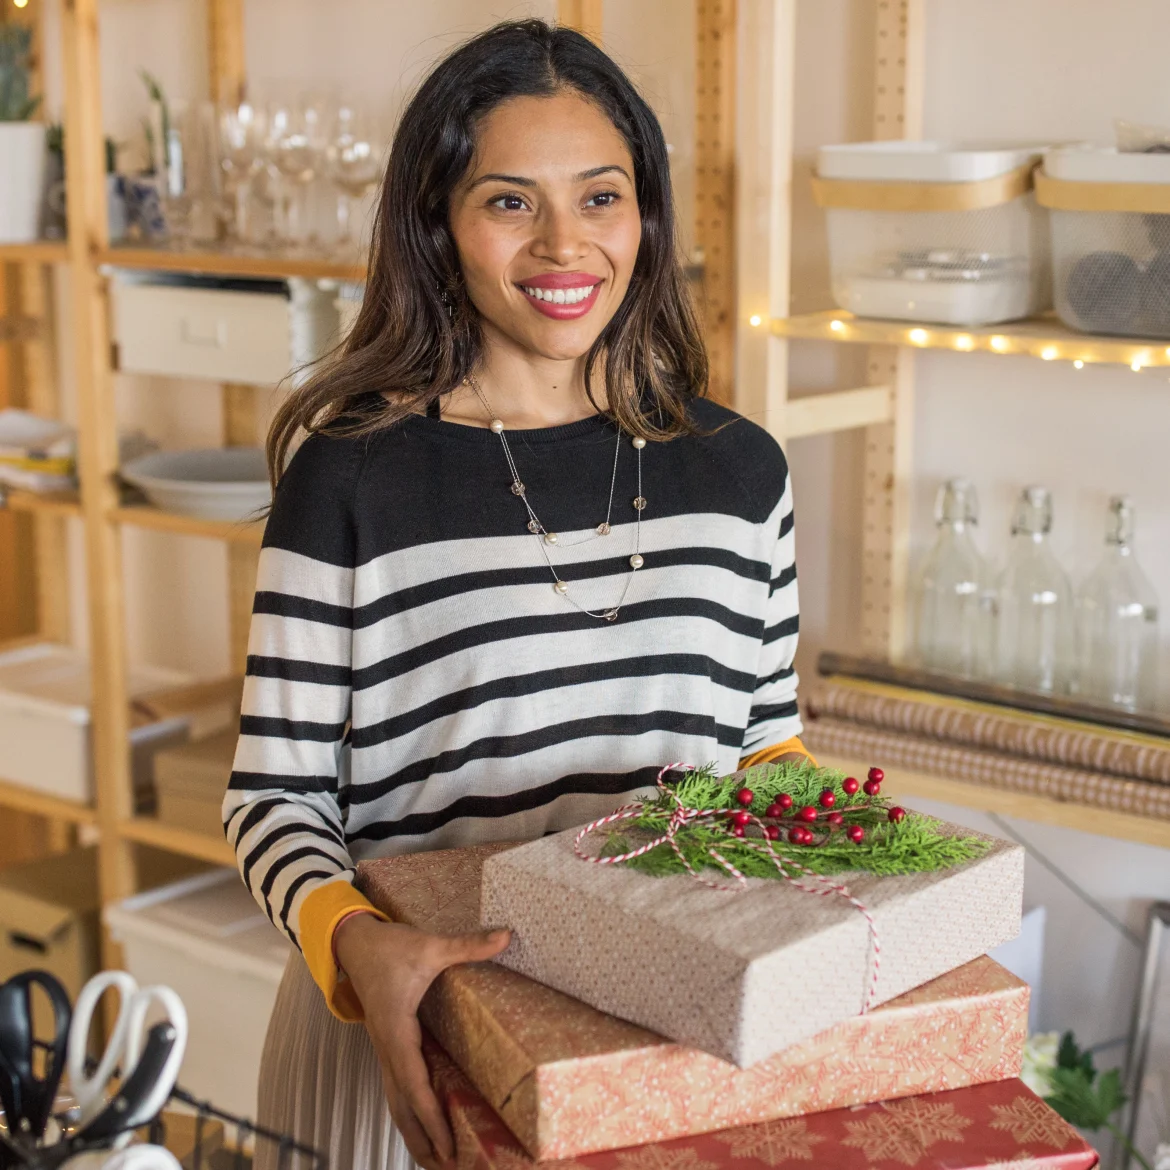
<point>1039,1061</point>
<point>1162,1156</point>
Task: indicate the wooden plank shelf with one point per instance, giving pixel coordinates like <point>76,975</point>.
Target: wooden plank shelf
<point>35,252</point>
<point>226,263</point>
<point>185,842</point>
<point>1041,337</point>
<point>42,503</point>
<point>145,516</point>
<point>904,782</point>
<point>29,800</point>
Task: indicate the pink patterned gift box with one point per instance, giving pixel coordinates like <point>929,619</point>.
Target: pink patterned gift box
<point>998,1126</point>
<point>742,973</point>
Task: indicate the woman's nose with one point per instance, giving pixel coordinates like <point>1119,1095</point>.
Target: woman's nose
<point>559,236</point>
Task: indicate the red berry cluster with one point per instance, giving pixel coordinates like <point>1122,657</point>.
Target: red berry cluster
<point>823,812</point>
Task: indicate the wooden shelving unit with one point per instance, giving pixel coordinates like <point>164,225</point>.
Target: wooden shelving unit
<point>884,407</point>
<point>38,252</point>
<point>63,504</point>
<point>148,831</point>
<point>229,263</point>
<point>745,76</point>
<point>16,796</point>
<point>144,516</point>
<point>1042,337</point>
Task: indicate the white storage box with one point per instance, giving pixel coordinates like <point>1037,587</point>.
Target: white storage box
<point>227,330</point>
<point>206,938</point>
<point>1110,215</point>
<point>924,231</point>
<point>45,721</point>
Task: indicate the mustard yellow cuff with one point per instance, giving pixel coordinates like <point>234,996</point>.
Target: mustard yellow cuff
<point>768,754</point>
<point>321,914</point>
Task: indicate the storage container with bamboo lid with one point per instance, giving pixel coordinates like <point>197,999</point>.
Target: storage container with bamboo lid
<point>931,232</point>
<point>1110,215</point>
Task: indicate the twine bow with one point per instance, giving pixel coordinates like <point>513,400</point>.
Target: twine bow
<point>684,815</point>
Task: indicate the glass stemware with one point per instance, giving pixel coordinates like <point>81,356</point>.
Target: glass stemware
<point>242,132</point>
<point>353,164</point>
<point>295,148</point>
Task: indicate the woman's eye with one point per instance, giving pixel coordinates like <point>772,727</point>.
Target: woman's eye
<point>508,202</point>
<point>603,199</point>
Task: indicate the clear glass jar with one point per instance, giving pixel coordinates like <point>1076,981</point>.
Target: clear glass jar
<point>1036,622</point>
<point>951,621</point>
<point>1117,622</point>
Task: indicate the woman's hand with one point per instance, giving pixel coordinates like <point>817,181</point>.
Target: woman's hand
<point>391,966</point>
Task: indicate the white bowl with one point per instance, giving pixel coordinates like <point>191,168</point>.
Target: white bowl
<point>229,483</point>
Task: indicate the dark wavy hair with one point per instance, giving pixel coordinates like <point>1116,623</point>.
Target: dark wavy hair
<point>417,335</point>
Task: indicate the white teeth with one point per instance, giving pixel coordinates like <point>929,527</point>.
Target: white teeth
<point>560,296</point>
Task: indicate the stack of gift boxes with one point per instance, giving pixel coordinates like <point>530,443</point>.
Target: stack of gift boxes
<point>655,1022</point>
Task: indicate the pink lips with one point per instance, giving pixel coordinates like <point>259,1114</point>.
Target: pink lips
<point>569,282</point>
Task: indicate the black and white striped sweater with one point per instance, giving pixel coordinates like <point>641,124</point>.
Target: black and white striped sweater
<point>414,681</point>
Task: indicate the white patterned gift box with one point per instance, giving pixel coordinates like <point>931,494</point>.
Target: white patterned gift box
<point>741,973</point>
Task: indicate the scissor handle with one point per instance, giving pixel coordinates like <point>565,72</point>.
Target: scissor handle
<point>17,1041</point>
<point>90,1090</point>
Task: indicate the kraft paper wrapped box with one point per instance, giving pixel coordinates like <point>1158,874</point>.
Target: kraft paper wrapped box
<point>569,1080</point>
<point>986,1127</point>
<point>740,973</point>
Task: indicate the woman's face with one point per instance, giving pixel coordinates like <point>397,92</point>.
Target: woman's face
<point>546,223</point>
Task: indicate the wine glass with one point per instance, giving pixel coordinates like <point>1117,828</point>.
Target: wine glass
<point>242,132</point>
<point>295,147</point>
<point>187,171</point>
<point>353,163</point>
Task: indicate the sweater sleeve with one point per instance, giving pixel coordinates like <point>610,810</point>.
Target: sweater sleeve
<point>774,718</point>
<point>283,808</point>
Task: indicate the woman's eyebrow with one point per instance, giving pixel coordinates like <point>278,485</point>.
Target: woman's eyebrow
<point>521,181</point>
<point>514,180</point>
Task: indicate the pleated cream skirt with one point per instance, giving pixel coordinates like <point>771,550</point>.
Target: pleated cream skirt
<point>321,1083</point>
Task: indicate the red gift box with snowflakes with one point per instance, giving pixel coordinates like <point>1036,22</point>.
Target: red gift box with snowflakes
<point>1002,1124</point>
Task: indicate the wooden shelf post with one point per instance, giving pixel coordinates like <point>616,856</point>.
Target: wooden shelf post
<point>97,447</point>
<point>715,61</point>
<point>763,206</point>
<point>885,550</point>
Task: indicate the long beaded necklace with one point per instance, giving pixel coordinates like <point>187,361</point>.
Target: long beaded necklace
<point>546,538</point>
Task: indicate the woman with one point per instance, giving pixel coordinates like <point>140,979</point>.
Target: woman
<point>519,563</point>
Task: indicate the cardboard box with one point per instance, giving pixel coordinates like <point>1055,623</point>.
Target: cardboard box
<point>978,1128</point>
<point>190,780</point>
<point>49,917</point>
<point>741,973</point>
<point>568,1079</point>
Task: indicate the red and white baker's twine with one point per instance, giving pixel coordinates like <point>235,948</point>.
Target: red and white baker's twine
<point>683,815</point>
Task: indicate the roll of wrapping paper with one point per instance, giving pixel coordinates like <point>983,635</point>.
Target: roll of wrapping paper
<point>954,721</point>
<point>836,737</point>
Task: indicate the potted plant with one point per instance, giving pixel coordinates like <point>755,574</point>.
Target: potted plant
<point>22,143</point>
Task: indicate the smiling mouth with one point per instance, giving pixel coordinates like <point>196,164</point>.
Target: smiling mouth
<point>560,296</point>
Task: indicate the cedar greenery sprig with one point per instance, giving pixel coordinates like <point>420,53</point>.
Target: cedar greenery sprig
<point>913,844</point>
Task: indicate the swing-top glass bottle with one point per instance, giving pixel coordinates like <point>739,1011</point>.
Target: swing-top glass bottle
<point>1035,632</point>
<point>952,620</point>
<point>1117,622</point>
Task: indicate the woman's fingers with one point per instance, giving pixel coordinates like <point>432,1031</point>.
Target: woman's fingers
<point>409,1072</point>
<point>408,1125</point>
<point>473,948</point>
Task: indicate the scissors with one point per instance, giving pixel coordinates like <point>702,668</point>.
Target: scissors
<point>146,1060</point>
<point>143,1157</point>
<point>27,1098</point>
